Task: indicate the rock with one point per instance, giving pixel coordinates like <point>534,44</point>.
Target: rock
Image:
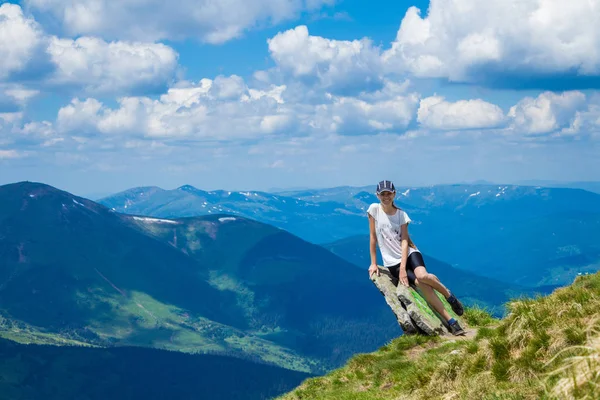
<point>420,312</point>
<point>411,309</point>
<point>385,283</point>
<point>448,309</point>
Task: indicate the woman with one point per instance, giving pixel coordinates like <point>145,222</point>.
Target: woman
<point>388,226</point>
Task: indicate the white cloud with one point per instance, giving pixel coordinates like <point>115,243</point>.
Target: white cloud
<point>220,109</point>
<point>227,109</point>
<point>275,123</point>
<point>13,99</point>
<point>436,113</point>
<point>21,95</point>
<point>25,138</point>
<point>338,66</point>
<point>79,116</point>
<point>473,40</point>
<point>228,88</point>
<point>4,154</point>
<point>274,92</point>
<point>43,129</point>
<point>277,164</point>
<point>546,113</point>
<point>11,118</point>
<point>19,39</point>
<point>29,55</point>
<point>354,116</point>
<point>585,121</point>
<point>101,67</point>
<point>148,20</point>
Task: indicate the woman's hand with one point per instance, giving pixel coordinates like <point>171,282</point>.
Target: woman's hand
<point>373,269</point>
<point>403,276</point>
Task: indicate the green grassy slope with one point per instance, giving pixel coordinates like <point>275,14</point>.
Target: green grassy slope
<point>294,293</point>
<point>546,348</point>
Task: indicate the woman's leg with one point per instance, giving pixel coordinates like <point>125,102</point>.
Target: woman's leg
<point>431,280</point>
<point>415,261</point>
<point>430,295</point>
<point>432,299</point>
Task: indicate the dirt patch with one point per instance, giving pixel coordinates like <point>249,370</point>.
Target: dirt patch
<point>417,351</point>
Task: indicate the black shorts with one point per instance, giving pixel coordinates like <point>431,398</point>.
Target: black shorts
<point>414,260</point>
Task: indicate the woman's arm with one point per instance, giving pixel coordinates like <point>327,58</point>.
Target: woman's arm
<point>373,246</point>
<point>404,244</point>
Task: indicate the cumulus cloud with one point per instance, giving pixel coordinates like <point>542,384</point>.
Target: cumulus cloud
<point>227,109</point>
<point>546,113</point>
<point>29,55</point>
<point>220,109</point>
<point>101,67</point>
<point>20,37</point>
<point>25,136</point>
<point>337,66</point>
<point>79,116</point>
<point>485,41</point>
<point>4,154</point>
<point>20,94</point>
<point>437,113</point>
<point>43,129</point>
<point>354,116</point>
<point>228,88</point>
<point>207,20</point>
<point>586,121</point>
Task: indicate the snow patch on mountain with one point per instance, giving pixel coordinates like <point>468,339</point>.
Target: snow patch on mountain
<point>155,220</point>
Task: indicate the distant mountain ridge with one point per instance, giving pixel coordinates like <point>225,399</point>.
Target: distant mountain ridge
<point>590,186</point>
<point>299,217</point>
<point>528,235</point>
<point>74,271</point>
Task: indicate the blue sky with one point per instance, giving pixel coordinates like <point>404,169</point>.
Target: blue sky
<point>99,96</point>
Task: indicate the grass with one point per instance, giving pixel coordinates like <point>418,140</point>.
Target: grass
<point>27,334</point>
<point>545,348</point>
<point>140,320</point>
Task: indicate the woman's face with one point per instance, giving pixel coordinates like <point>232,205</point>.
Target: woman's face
<point>386,197</point>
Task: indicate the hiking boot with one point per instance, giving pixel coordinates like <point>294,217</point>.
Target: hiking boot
<point>456,329</point>
<point>456,305</point>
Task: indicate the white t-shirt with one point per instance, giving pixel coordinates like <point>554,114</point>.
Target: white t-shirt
<point>389,233</point>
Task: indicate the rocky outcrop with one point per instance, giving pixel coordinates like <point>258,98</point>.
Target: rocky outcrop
<point>385,283</point>
<point>409,306</point>
<point>420,312</point>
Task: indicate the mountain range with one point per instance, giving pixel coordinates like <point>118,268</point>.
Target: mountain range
<point>590,186</point>
<point>118,287</point>
<point>77,272</point>
<point>526,235</point>
<point>299,217</point>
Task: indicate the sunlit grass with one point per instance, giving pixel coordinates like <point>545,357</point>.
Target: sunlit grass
<point>140,320</point>
<point>545,348</point>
